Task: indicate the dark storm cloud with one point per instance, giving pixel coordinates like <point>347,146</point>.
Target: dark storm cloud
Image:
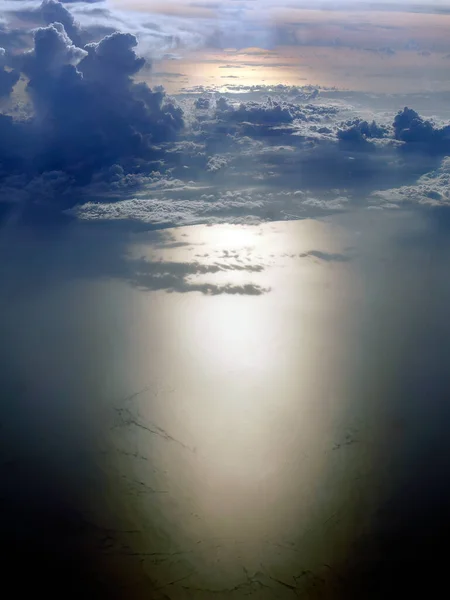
<point>96,114</point>
<point>89,114</point>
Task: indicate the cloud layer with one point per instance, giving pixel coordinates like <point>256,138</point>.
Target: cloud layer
<point>79,131</point>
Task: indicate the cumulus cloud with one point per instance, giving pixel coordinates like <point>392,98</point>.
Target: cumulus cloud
<point>53,51</point>
<point>359,132</point>
<point>92,113</point>
<point>202,103</point>
<point>419,134</point>
<point>54,12</point>
<point>88,113</point>
<point>270,111</point>
<point>431,189</point>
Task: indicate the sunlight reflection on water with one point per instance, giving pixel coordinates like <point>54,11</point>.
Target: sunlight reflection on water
<point>213,439</point>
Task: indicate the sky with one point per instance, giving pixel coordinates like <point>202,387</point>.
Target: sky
<point>358,45</point>
<point>201,112</point>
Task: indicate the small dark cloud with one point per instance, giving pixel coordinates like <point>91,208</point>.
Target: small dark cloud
<point>168,74</point>
<point>89,115</point>
<point>326,256</point>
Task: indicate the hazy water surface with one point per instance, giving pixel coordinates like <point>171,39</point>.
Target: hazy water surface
<point>226,411</point>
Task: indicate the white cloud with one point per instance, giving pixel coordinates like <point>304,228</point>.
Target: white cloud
<point>432,189</point>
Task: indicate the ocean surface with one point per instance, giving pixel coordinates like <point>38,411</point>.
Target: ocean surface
<point>227,411</point>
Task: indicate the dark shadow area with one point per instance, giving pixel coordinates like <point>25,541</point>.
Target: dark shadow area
<point>405,551</point>
<point>97,251</point>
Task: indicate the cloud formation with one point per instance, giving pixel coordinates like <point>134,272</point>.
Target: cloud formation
<point>431,189</point>
<point>94,136</point>
<point>54,12</point>
<point>88,113</point>
<point>419,134</point>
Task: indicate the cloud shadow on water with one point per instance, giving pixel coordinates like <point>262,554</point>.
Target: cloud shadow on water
<point>94,252</point>
<point>326,256</point>
<point>175,277</point>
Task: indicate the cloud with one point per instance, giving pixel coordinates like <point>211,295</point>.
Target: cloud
<point>161,27</point>
<point>168,74</point>
<point>54,12</point>
<point>90,21</point>
<point>119,150</point>
<point>359,133</point>
<point>215,163</point>
<point>274,158</point>
<point>420,135</point>
<point>271,112</point>
<point>202,103</point>
<point>8,78</point>
<point>88,114</point>
<point>326,256</point>
<point>431,189</point>
<point>53,51</point>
